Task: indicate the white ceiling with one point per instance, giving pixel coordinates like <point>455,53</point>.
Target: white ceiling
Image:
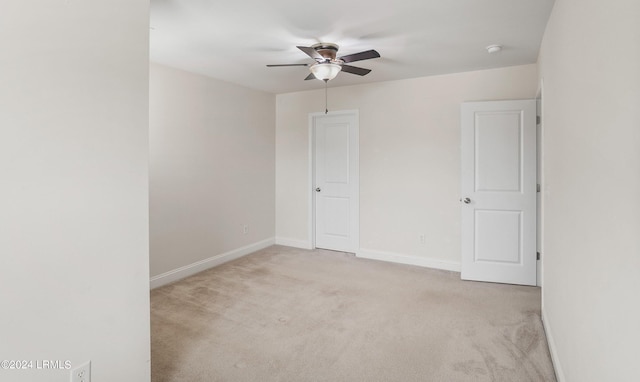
<point>234,40</point>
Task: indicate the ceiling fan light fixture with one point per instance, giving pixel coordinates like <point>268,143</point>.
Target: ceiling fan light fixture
<point>325,71</point>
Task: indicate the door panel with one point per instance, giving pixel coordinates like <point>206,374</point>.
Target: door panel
<point>336,214</point>
<point>499,180</point>
<point>336,181</point>
<point>498,236</point>
<point>336,155</point>
<point>498,156</point>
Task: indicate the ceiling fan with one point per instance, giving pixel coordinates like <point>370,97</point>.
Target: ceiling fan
<point>327,66</point>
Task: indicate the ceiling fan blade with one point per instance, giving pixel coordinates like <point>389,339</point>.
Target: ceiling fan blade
<point>310,77</point>
<point>276,65</point>
<point>355,70</point>
<point>366,55</point>
<point>311,52</point>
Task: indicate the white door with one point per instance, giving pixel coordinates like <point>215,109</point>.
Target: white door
<point>498,191</point>
<point>335,187</point>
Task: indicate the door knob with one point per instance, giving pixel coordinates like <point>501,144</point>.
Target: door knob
<point>318,189</point>
<point>466,200</point>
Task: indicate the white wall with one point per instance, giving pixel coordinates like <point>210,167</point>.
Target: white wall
<point>409,159</point>
<point>212,150</point>
<point>73,194</point>
<point>590,66</point>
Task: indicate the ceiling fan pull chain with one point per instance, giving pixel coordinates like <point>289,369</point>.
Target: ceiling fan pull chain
<point>326,107</point>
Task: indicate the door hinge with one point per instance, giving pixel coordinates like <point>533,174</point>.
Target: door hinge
<point>537,255</point>
<point>538,120</point>
<point>537,188</point>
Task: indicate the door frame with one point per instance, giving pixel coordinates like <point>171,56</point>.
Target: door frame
<point>311,222</point>
<point>541,182</point>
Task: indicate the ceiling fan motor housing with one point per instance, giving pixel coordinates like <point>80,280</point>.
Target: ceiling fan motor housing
<point>326,50</point>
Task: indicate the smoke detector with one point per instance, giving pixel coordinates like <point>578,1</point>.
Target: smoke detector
<point>493,48</point>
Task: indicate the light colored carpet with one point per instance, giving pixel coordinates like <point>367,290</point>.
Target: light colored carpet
<point>284,314</point>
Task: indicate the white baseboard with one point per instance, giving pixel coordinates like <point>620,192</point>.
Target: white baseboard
<point>293,243</point>
<point>199,266</point>
<point>410,260</point>
<point>552,348</point>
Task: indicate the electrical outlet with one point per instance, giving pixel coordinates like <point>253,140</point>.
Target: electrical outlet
<point>82,373</point>
<point>423,239</point>
<point>245,229</point>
